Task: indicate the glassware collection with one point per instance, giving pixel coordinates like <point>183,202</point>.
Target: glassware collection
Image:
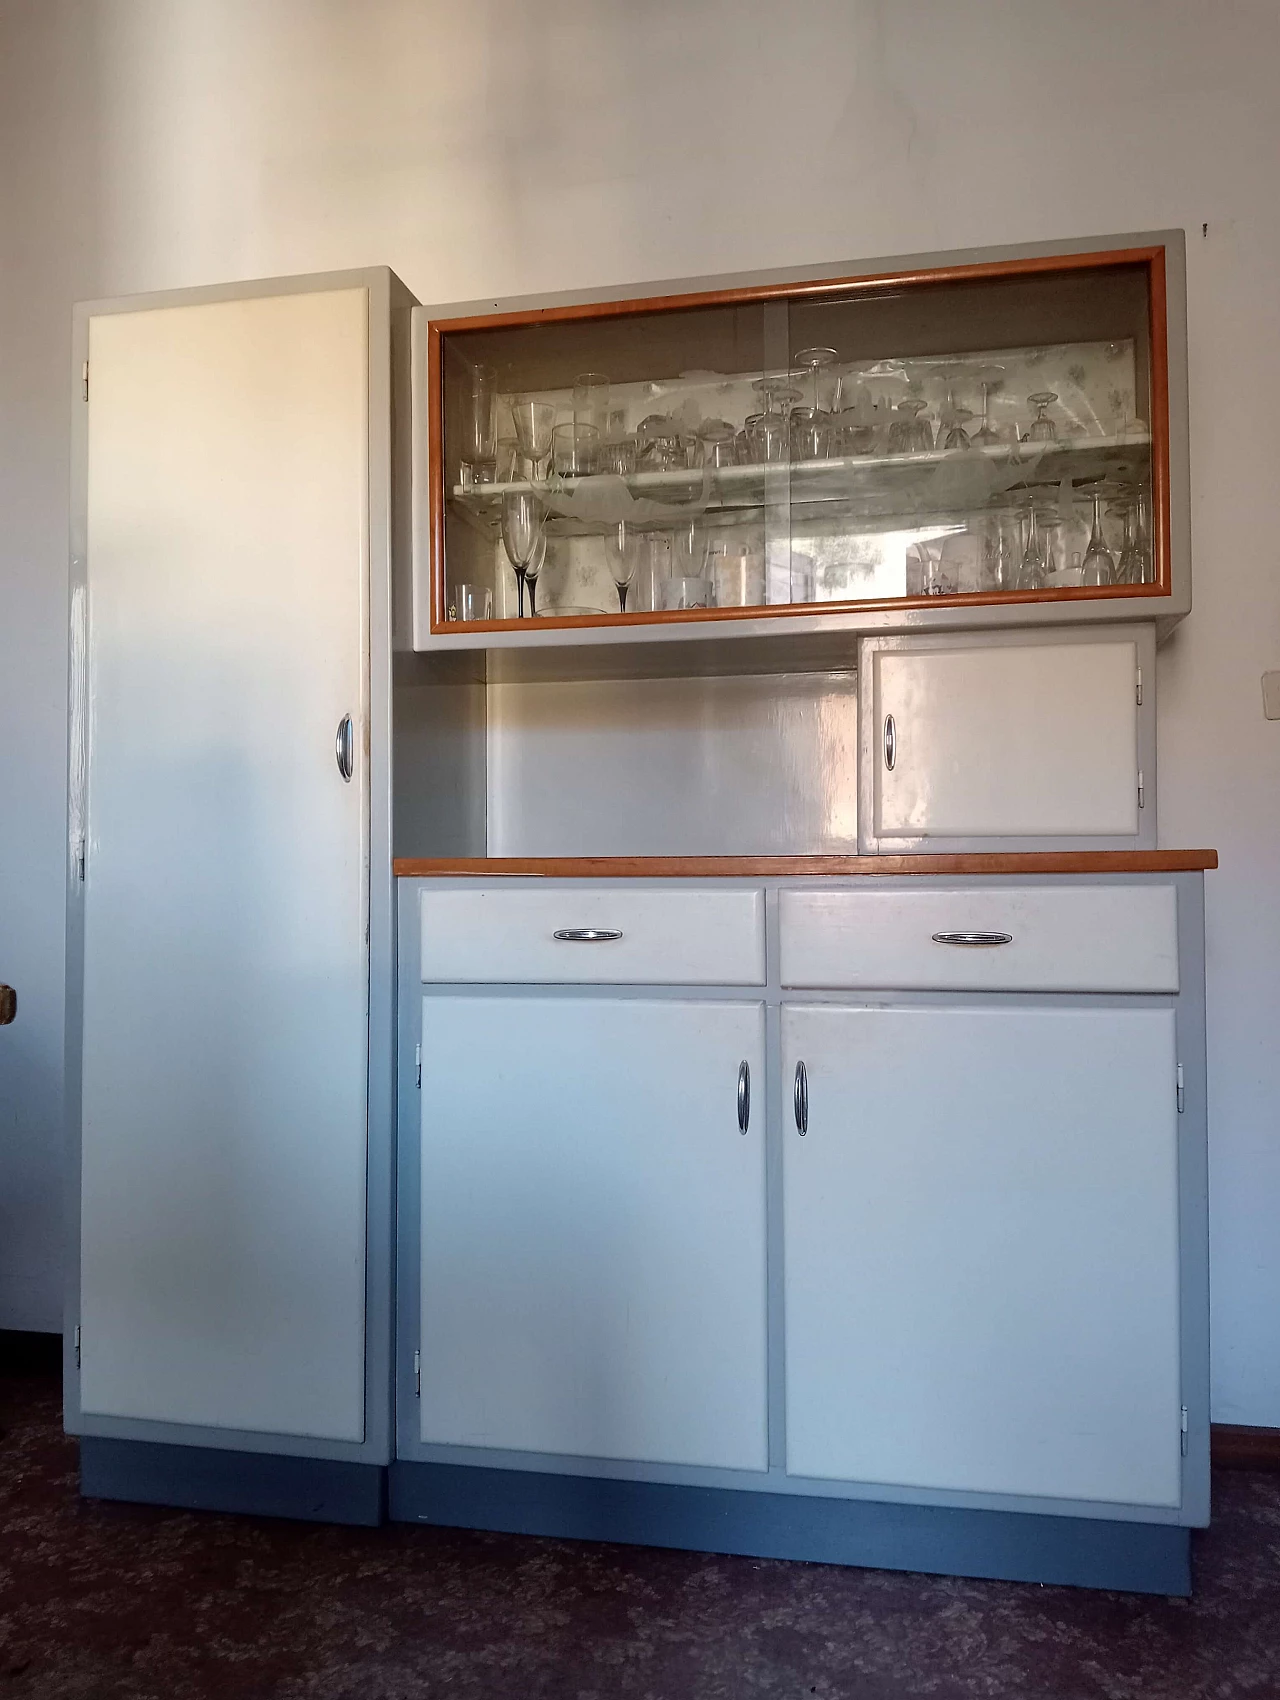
<point>826,481</point>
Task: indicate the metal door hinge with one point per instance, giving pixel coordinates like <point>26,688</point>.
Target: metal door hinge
<point>1139,687</point>
<point>417,1375</point>
<point>417,1057</point>
<point>1142,802</point>
<point>79,860</point>
<point>77,1345</point>
<point>84,381</point>
<point>1182,1091</point>
<point>1184,1431</point>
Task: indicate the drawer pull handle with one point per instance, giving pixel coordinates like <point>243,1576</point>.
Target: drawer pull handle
<point>585,935</point>
<point>978,940</point>
<point>744,1095</point>
<point>890,742</point>
<point>800,1099</point>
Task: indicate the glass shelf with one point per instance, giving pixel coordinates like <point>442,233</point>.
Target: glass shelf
<point>1048,379</point>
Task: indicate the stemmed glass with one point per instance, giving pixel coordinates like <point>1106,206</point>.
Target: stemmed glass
<point>535,567</point>
<point>986,436</point>
<point>910,434</point>
<point>523,519</point>
<point>535,424</point>
<point>957,437</point>
<point>1031,572</point>
<point>622,552</point>
<point>817,362</point>
<point>1042,429</point>
<point>1099,563</point>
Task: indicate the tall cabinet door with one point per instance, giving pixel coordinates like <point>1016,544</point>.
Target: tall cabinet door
<point>593,1238</point>
<point>1019,739</point>
<point>222,1238</point>
<point>981,1228</point>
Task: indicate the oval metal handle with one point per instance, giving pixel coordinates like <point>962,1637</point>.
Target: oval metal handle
<point>585,935</point>
<point>800,1099</point>
<point>890,742</point>
<point>744,1095</point>
<point>344,748</point>
<point>979,940</point>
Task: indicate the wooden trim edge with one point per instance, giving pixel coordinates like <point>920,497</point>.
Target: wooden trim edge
<point>1237,1446</point>
<point>791,867</point>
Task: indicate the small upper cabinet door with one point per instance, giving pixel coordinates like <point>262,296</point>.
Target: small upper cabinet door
<point>1016,741</point>
<point>593,1243</point>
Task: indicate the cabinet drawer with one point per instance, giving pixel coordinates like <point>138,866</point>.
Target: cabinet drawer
<point>1051,939</point>
<point>676,938</point>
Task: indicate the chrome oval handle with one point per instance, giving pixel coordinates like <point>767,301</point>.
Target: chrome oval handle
<point>344,748</point>
<point>585,935</point>
<point>744,1095</point>
<point>980,940</point>
<point>800,1099</point>
<point>890,742</point>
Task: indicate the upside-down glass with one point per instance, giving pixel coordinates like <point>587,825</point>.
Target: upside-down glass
<point>909,433</point>
<point>719,446</point>
<point>523,519</point>
<point>1042,429</point>
<point>1033,567</point>
<point>957,437</point>
<point>819,365</point>
<point>986,436</point>
<point>810,433</point>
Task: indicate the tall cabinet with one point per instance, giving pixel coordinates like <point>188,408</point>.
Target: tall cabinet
<point>230,1047</point>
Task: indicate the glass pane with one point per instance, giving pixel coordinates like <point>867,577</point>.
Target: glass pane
<point>974,437</point>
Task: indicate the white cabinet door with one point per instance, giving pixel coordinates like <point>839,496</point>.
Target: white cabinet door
<point>225,972</point>
<point>967,739</point>
<point>593,1242</point>
<point>981,1248</point>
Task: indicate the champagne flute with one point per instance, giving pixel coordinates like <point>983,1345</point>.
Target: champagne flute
<point>1032,571</point>
<point>534,422</point>
<point>534,567</point>
<point>523,518</point>
<point>622,552</point>
<point>1099,563</point>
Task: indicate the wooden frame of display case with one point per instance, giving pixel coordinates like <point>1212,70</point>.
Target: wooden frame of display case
<point>1150,257</point>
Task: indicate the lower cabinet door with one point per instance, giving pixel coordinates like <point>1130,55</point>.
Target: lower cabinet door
<point>593,1227</point>
<point>981,1249</point>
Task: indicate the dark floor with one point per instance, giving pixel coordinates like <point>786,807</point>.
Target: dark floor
<point>117,1602</point>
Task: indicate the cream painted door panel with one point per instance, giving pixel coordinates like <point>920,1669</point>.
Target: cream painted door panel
<point>593,934</point>
<point>981,1249</point>
<point>225,977</point>
<point>593,1251</point>
<point>982,937</point>
<point>968,740</point>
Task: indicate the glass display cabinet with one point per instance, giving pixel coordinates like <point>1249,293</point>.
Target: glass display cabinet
<point>988,434</point>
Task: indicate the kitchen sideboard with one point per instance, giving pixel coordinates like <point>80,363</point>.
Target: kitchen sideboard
<point>623,977</point>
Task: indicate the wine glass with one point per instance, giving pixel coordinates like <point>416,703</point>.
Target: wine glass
<point>622,553</point>
<point>957,437</point>
<point>1099,564</point>
<point>909,434</point>
<point>819,363</point>
<point>986,436</point>
<point>1033,568</point>
<point>534,422</point>
<point>523,518</point>
<point>1042,429</point>
<point>534,567</point>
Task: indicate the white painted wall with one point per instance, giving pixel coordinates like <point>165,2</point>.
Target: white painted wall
<point>500,147</point>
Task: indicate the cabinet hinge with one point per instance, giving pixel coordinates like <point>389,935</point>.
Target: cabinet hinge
<point>417,1057</point>
<point>1184,1431</point>
<point>1182,1091</point>
<point>77,1345</point>
<point>417,1375</point>
<point>79,859</point>
<point>1139,691</point>
<point>84,381</point>
<point>1142,801</point>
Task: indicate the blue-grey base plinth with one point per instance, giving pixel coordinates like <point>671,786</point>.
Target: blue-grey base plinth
<point>1004,1545</point>
<point>201,1478</point>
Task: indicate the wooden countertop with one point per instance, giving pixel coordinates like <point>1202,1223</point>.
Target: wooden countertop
<point>790,867</point>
